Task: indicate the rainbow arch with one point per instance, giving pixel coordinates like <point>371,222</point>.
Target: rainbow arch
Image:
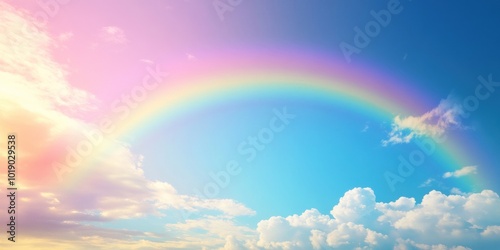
<point>225,78</point>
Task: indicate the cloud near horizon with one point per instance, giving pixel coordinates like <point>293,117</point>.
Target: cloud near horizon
<point>439,222</point>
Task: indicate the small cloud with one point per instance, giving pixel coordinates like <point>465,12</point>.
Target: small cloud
<point>433,123</point>
<point>405,56</point>
<point>461,172</point>
<point>427,183</point>
<point>65,36</point>
<point>191,57</point>
<point>113,34</point>
<point>457,191</point>
<point>146,61</point>
<point>491,231</point>
<point>365,128</point>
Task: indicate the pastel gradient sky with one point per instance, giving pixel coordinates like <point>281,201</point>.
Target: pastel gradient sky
<point>252,124</point>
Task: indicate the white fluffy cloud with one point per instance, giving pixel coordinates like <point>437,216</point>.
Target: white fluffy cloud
<point>469,221</point>
<point>354,205</point>
<point>461,172</point>
<point>433,123</point>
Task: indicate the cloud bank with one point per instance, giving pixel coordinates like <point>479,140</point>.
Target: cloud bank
<point>358,222</point>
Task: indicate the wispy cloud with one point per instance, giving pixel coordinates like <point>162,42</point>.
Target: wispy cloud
<point>427,183</point>
<point>457,191</point>
<point>433,123</point>
<point>461,172</point>
<point>66,36</point>
<point>191,57</point>
<point>146,61</point>
<point>113,34</point>
<point>365,129</point>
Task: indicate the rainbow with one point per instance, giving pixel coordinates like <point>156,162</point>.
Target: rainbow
<point>226,78</point>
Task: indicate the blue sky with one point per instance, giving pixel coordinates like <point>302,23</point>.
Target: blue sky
<point>320,182</point>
